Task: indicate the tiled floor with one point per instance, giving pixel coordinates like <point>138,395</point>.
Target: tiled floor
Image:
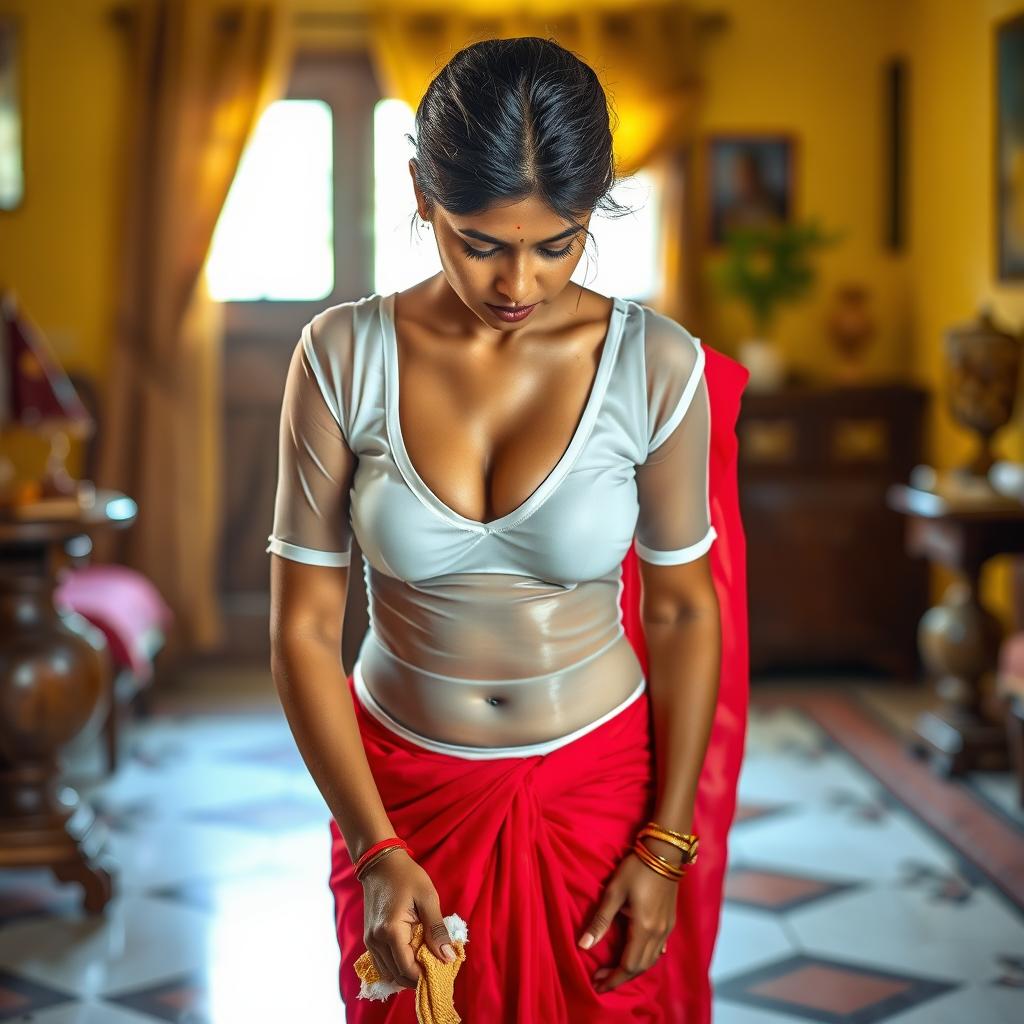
<point>845,900</point>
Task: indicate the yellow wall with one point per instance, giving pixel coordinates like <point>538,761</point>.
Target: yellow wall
<point>58,249</point>
<point>814,69</point>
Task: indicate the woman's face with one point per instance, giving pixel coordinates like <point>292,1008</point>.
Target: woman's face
<point>521,254</point>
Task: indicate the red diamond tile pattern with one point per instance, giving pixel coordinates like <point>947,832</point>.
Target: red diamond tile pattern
<point>776,890</point>
<point>835,989</point>
<point>20,998</point>
<point>829,991</point>
<point>180,999</point>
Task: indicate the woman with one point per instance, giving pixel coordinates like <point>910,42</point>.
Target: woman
<point>517,458</point>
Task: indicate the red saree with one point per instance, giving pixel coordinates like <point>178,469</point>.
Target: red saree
<point>522,847</point>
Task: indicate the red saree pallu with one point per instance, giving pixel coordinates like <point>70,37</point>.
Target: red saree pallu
<point>522,848</point>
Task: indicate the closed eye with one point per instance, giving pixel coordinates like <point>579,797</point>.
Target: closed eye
<point>552,254</point>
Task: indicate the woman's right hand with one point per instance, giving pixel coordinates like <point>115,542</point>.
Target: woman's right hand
<point>397,894</point>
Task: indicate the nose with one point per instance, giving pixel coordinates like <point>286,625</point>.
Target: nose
<point>513,286</point>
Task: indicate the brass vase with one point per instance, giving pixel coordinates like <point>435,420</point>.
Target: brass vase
<point>983,368</point>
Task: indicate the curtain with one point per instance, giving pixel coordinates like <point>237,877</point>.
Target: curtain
<point>199,73</point>
<point>645,54</point>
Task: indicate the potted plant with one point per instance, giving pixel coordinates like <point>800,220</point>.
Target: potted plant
<point>765,265</point>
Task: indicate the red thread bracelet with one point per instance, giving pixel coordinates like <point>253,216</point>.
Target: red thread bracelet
<point>384,844</point>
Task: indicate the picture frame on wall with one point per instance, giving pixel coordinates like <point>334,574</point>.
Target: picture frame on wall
<point>12,177</point>
<point>1009,143</point>
<point>896,72</point>
<point>749,181</point>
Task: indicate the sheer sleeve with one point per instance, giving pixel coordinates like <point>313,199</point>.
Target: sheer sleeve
<point>674,523</point>
<point>315,464</point>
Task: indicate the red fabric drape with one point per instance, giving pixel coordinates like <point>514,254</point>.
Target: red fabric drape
<point>693,940</point>
<point>522,848</point>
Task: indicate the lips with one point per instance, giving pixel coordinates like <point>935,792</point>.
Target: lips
<point>511,313</point>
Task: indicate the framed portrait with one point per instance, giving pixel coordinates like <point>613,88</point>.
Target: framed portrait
<point>12,182</point>
<point>1009,142</point>
<point>749,181</point>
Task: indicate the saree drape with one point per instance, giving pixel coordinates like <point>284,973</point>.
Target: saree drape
<point>523,847</point>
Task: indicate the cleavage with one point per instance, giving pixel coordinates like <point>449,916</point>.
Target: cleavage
<point>480,428</point>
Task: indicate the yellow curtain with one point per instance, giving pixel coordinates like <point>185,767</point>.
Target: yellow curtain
<point>645,54</point>
<point>199,74</point>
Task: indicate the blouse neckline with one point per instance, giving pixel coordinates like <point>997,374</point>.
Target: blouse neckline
<point>526,508</point>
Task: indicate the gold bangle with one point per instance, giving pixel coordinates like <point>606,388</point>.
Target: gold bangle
<point>686,837</point>
<point>670,864</point>
<point>679,835</point>
<point>661,869</point>
<point>686,842</point>
<point>656,863</point>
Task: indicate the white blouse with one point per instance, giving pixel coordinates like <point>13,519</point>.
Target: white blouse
<point>534,592</point>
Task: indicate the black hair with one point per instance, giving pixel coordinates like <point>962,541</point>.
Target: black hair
<point>505,119</point>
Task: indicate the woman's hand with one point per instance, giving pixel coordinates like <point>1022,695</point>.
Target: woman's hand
<point>649,901</point>
<point>397,894</point>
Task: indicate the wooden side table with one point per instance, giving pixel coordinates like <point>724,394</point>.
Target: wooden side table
<point>55,675</point>
<point>959,638</point>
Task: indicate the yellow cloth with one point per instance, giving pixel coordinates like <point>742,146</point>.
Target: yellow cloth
<point>435,988</point>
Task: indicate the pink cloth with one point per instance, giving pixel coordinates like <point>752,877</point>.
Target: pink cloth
<point>124,605</point>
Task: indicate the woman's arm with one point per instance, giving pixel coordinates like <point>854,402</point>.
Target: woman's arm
<point>307,610</point>
<point>679,605</point>
<point>311,549</point>
<point>682,630</point>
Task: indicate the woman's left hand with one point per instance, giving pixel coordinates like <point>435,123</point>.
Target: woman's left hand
<point>649,901</point>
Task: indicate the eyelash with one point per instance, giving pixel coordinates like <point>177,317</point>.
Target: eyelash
<point>551,254</point>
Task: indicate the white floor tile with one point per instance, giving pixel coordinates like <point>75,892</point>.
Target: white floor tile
<point>725,1012</point>
<point>906,930</point>
<point>88,1013</point>
<point>748,939</point>
<point>137,942</point>
<point>978,1004</point>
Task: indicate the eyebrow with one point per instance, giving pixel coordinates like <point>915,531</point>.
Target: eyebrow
<point>472,233</point>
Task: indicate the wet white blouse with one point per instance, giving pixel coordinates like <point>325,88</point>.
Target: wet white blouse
<point>534,592</point>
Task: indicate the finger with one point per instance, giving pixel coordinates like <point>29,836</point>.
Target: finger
<point>617,973</point>
<point>405,958</point>
<point>435,931</point>
<point>602,918</point>
<point>382,954</point>
<point>639,955</point>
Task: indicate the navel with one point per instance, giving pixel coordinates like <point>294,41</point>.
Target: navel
<point>495,701</point>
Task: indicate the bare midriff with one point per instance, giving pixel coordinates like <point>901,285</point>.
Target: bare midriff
<point>520,662</point>
<point>495,659</point>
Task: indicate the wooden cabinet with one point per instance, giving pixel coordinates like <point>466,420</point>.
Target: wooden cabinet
<point>830,584</point>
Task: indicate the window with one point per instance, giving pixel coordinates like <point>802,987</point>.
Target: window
<point>274,237</point>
